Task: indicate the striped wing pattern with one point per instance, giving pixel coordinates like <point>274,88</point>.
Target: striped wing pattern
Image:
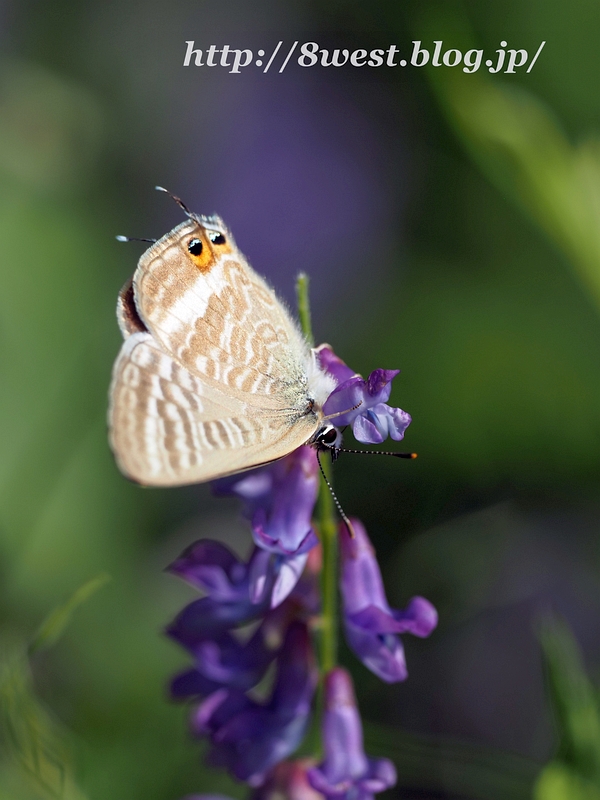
<point>168,427</point>
<point>225,325</point>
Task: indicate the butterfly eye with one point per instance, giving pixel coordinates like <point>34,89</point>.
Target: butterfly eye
<point>329,436</point>
<point>195,247</point>
<point>216,238</point>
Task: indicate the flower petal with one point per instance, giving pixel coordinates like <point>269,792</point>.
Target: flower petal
<point>379,384</point>
<point>382,654</point>
<point>289,572</point>
<point>419,618</point>
<point>205,618</point>
<point>366,431</point>
<point>261,573</point>
<point>333,364</point>
<point>210,565</point>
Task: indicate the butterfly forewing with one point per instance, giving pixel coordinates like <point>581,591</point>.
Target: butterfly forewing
<point>212,378</point>
<point>222,322</point>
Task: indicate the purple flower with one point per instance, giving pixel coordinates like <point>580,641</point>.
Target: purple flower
<point>225,661</point>
<point>230,602</point>
<point>279,501</point>
<point>371,625</point>
<point>237,592</point>
<point>362,403</point>
<point>346,772</point>
<point>249,738</point>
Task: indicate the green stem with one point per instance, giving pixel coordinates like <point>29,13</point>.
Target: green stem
<point>328,531</point>
<point>326,523</point>
<point>302,282</point>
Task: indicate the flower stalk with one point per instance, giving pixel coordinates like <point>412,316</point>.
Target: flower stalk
<point>302,296</point>
<point>329,622</point>
<point>326,521</point>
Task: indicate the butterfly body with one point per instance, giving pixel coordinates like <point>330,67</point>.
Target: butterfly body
<point>214,376</point>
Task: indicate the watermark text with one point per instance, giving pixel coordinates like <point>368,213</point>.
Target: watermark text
<point>507,60</point>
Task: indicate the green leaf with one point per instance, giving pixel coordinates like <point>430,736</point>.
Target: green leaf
<point>34,740</point>
<point>519,144</point>
<point>558,782</point>
<point>573,700</point>
<point>54,625</point>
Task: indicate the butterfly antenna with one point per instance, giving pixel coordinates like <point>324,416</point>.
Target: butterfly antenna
<point>178,200</point>
<point>341,512</point>
<point>339,413</point>
<point>376,452</point>
<point>120,238</point>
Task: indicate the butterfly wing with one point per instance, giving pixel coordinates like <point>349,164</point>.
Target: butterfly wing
<point>212,378</point>
<point>170,428</point>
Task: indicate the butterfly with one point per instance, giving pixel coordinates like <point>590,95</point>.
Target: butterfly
<point>214,376</point>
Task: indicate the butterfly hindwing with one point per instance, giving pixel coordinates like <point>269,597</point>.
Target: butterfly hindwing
<point>168,428</point>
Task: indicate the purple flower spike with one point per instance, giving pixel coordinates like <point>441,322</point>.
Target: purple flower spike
<point>371,625</point>
<point>362,403</point>
<point>279,501</point>
<point>346,773</point>
<point>249,738</point>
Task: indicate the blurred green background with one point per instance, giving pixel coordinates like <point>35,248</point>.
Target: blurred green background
<point>450,223</point>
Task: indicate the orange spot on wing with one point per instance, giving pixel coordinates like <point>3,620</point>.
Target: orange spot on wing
<point>211,251</point>
<point>205,260</point>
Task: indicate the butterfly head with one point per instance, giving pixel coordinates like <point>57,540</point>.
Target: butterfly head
<point>328,437</point>
<point>202,238</point>
<point>207,240</point>
<point>200,241</point>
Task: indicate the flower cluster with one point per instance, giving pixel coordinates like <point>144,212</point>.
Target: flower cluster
<point>277,589</point>
<point>362,403</point>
